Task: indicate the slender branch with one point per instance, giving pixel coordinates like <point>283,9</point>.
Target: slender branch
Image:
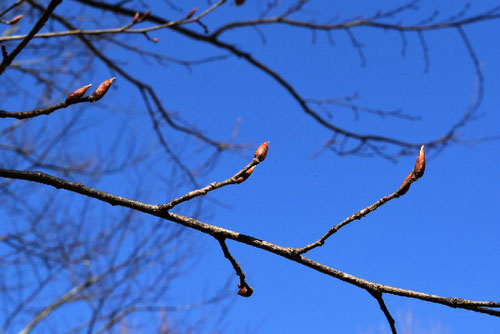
<point>356,23</point>
<point>414,175</point>
<point>121,30</point>
<point>8,9</point>
<point>38,25</point>
<point>378,296</point>
<point>245,289</point>
<point>212,39</point>
<point>212,186</point>
<point>63,299</point>
<point>40,111</point>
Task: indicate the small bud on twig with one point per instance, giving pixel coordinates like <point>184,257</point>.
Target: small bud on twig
<point>406,184</point>
<point>77,95</point>
<point>190,14</point>
<point>239,2</point>
<point>15,19</point>
<point>136,18</point>
<point>244,291</point>
<point>261,151</point>
<point>144,16</point>
<point>101,90</point>
<point>419,168</point>
<point>245,175</point>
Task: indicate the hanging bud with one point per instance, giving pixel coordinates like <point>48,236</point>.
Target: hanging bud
<point>77,95</point>
<point>101,90</point>
<point>420,163</point>
<point>245,175</point>
<point>261,151</point>
<point>239,2</point>
<point>190,14</point>
<point>144,16</point>
<point>15,19</point>
<point>244,291</point>
<point>136,18</point>
<point>155,40</point>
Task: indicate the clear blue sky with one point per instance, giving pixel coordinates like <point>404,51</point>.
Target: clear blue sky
<point>440,238</point>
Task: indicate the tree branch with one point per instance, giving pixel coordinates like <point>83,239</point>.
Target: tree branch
<point>219,232</point>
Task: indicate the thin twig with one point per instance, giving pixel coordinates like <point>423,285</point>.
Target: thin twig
<point>40,111</point>
<point>38,25</point>
<point>378,296</point>
<point>212,186</point>
<point>245,289</point>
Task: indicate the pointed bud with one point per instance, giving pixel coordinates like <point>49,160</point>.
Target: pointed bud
<point>190,14</point>
<point>420,163</point>
<point>239,2</point>
<point>136,18</point>
<point>77,95</point>
<point>101,90</point>
<point>144,16</point>
<point>15,19</point>
<point>245,175</point>
<point>261,151</point>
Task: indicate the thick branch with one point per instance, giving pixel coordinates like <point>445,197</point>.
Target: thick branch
<point>218,232</point>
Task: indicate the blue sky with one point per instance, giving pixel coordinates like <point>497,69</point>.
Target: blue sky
<point>440,238</point>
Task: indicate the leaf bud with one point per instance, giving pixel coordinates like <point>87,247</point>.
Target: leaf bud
<point>77,95</point>
<point>261,151</point>
<point>419,168</point>
<point>101,90</point>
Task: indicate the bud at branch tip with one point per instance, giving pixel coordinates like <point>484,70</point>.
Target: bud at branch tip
<point>419,168</point>
<point>101,90</point>
<point>261,151</point>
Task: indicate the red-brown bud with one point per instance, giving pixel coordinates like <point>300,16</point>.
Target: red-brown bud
<point>419,168</point>
<point>244,291</point>
<point>101,90</point>
<point>406,184</point>
<point>239,2</point>
<point>245,175</point>
<point>261,151</point>
<point>144,16</point>
<point>190,14</point>
<point>155,40</point>
<point>77,95</point>
<point>136,18</point>
<point>15,19</point>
